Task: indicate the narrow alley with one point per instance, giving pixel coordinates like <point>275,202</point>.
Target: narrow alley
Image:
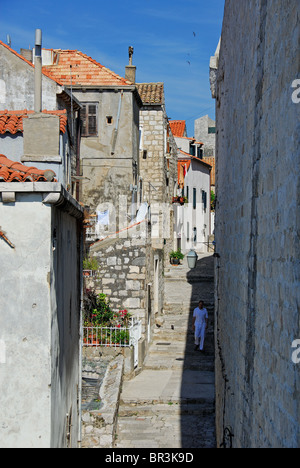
<point>171,403</point>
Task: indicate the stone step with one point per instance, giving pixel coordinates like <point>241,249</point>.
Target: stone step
<point>169,277</point>
<point>176,408</point>
<point>207,366</point>
<point>182,308</point>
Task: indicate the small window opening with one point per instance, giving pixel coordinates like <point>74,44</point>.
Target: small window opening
<point>109,120</point>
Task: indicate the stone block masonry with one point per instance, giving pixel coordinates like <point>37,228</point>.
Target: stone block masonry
<point>257,224</point>
<point>158,169</point>
<point>124,272</point>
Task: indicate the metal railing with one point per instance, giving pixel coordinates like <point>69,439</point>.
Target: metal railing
<point>117,336</point>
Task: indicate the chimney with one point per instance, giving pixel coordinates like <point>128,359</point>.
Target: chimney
<point>130,69</point>
<point>38,71</point>
<point>27,54</point>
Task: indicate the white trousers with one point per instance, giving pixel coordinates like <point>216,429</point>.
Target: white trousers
<point>200,335</point>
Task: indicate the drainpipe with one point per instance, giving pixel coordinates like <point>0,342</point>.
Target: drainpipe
<point>115,133</point>
<point>38,71</point>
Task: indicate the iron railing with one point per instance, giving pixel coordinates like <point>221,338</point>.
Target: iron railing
<point>117,336</point>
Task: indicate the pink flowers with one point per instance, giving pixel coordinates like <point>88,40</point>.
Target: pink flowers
<point>121,318</point>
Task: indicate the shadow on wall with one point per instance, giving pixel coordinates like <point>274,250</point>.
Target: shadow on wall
<point>198,379</point>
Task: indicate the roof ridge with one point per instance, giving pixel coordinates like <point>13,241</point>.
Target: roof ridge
<point>104,67</point>
<point>28,62</point>
<point>28,111</point>
<point>90,59</point>
<point>194,158</point>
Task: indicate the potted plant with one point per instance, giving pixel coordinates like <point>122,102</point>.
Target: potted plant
<point>176,256</point>
<point>90,265</point>
<point>180,200</point>
<point>183,200</point>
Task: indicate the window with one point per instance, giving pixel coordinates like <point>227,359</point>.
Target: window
<point>195,234</point>
<point>192,149</point>
<point>141,138</point>
<point>194,198</point>
<point>199,152</point>
<point>204,199</point>
<point>141,190</point>
<point>211,130</point>
<point>109,120</point>
<point>89,119</point>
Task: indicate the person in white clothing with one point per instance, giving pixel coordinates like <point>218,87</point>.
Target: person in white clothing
<point>200,320</point>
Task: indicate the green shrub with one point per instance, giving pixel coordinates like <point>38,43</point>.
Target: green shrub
<point>90,263</point>
<point>177,254</point>
<point>96,309</point>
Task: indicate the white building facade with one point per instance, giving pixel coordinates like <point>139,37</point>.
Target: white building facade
<point>193,220</point>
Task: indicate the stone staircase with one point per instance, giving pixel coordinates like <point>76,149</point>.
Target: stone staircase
<point>170,403</point>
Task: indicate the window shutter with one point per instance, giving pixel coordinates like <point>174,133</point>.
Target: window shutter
<point>83,119</point>
<point>89,119</point>
<point>92,120</point>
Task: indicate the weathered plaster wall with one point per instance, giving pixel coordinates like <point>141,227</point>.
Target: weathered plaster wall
<point>40,144</point>
<point>107,167</point>
<point>25,324</point>
<point>17,84</point>
<point>12,146</point>
<point>257,224</point>
<point>40,318</point>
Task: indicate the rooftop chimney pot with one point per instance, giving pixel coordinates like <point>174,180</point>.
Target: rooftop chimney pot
<point>38,71</point>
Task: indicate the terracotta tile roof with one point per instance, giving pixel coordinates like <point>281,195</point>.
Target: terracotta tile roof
<point>11,171</point>
<point>178,128</point>
<point>84,70</point>
<point>187,156</point>
<point>27,61</point>
<point>12,121</point>
<point>151,93</point>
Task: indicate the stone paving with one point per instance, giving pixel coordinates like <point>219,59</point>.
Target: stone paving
<point>170,403</point>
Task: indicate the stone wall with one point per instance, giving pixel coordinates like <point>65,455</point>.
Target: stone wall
<point>124,271</point>
<point>201,127</point>
<point>158,169</point>
<point>257,224</point>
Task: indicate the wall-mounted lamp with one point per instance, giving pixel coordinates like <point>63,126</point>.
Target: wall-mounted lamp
<point>192,258</point>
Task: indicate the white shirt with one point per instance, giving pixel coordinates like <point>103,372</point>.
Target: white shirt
<point>200,315</point>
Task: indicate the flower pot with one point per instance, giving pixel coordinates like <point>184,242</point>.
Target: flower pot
<point>175,261</point>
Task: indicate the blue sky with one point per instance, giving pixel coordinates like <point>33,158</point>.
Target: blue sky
<point>172,39</point>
